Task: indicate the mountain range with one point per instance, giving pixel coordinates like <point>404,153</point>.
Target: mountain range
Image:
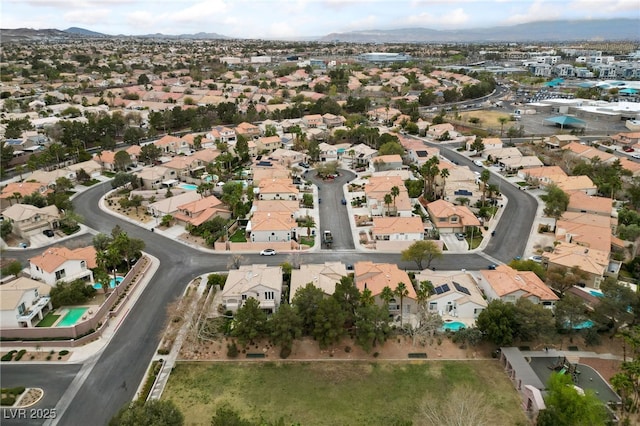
<point>544,31</point>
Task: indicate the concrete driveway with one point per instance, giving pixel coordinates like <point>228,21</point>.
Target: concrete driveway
<point>453,244</point>
<point>333,215</point>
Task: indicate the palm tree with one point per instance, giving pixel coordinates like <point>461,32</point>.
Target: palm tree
<point>401,291</point>
<point>309,223</point>
<point>395,191</point>
<point>444,174</point>
<point>17,196</point>
<point>352,154</point>
<point>387,201</point>
<point>366,298</point>
<point>503,121</point>
<point>386,295</point>
<point>484,178</point>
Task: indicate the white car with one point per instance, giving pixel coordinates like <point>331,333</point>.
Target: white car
<point>268,252</point>
<point>636,156</point>
<point>536,258</point>
<point>478,163</point>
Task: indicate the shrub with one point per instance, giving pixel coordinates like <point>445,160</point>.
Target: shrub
<point>9,401</point>
<point>591,337</point>
<point>63,352</point>
<point>347,349</point>
<point>52,352</point>
<point>232,350</point>
<point>20,354</point>
<point>48,357</point>
<point>163,351</point>
<point>285,351</point>
<point>7,357</point>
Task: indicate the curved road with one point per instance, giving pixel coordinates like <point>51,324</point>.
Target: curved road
<point>108,381</point>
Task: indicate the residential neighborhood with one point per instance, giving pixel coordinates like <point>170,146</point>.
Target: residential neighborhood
<point>349,203</point>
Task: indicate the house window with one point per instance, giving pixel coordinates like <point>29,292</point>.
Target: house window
<point>269,295</point>
<point>21,309</point>
<point>244,297</point>
<point>433,306</point>
<point>60,274</point>
<point>454,219</point>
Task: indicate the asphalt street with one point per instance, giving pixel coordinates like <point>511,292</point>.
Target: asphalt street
<point>334,216</point>
<point>112,378</point>
<point>54,378</point>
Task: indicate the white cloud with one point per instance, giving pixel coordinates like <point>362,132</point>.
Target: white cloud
<point>606,6</point>
<point>281,30</point>
<point>538,11</point>
<point>367,22</point>
<point>140,19</point>
<point>200,11</point>
<point>455,18</point>
<point>87,16</point>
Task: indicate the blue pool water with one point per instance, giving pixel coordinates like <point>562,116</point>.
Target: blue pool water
<point>453,326</point>
<point>112,283</point>
<point>208,178</point>
<point>585,324</point>
<point>72,317</point>
<point>596,293</point>
<point>188,186</point>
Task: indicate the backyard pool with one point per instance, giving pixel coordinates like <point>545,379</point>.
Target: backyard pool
<point>453,326</point>
<point>584,324</point>
<point>72,317</point>
<point>112,283</point>
<point>596,293</point>
<point>188,186</point>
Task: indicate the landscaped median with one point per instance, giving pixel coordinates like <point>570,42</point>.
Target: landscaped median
<point>352,392</point>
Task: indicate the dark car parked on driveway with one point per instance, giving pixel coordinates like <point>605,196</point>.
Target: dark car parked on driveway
<point>48,232</point>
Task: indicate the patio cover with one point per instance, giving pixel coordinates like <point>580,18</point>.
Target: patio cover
<point>565,120</point>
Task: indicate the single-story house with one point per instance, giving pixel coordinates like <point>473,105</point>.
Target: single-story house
<point>456,294</point>
<point>324,276</point>
<point>509,285</point>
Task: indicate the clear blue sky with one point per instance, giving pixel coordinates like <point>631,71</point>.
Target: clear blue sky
<point>295,18</point>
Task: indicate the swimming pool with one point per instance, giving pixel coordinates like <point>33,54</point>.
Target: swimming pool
<point>453,326</point>
<point>72,317</point>
<point>596,293</point>
<point>188,186</point>
<point>112,283</point>
<point>584,324</point>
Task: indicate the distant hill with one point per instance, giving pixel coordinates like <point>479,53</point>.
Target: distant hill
<point>544,31</point>
<point>597,29</point>
<point>84,32</point>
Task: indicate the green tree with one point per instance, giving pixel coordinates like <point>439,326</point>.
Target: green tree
<point>6,155</point>
<point>150,153</point>
<point>122,159</point>
<point>226,416</point>
<point>567,407</point>
<point>390,148</point>
<point>503,121</point>
<point>555,200</point>
<point>485,175</point>
<point>71,293</point>
<point>329,321</point>
<point>386,295</point>
<point>150,413</point>
<point>626,381</point>
<point>348,297</point>
<point>371,325</point>
<point>477,145</point>
<point>422,251</point>
<point>498,322</point>
<point>395,191</point>
<point>562,279</point>
<point>429,170</point>
<point>285,326</point>
<point>36,199</point>
<point>529,265</point>
<point>306,301</point>
<point>13,268</point>
<point>388,199</point>
<point>444,174</point>
<point>615,307</point>
<point>533,319</point>
<point>250,322</point>
<point>570,311</point>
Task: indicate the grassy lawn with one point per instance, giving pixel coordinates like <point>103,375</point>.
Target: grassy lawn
<point>238,237</point>
<point>475,242</point>
<point>336,393</point>
<point>307,241</point>
<point>90,182</point>
<point>48,320</point>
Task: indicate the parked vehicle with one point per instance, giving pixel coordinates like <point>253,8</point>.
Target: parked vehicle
<point>268,252</point>
<point>327,239</point>
<point>48,232</point>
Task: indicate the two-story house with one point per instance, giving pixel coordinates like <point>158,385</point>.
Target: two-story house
<point>592,262</point>
<point>14,191</point>
<point>382,163</point>
<point>261,282</point>
<point>312,121</point>
<point>23,303</point>
<point>277,189</point>
<point>157,177</point>
<point>199,211</point>
<point>62,264</point>
<point>173,145</point>
<point>376,276</point>
<point>324,276</point>
<point>509,285</point>
<point>379,186</point>
<point>455,295</point>
<point>449,218</point>
<point>331,120</point>
<point>29,220</point>
<point>268,144</point>
<point>248,130</point>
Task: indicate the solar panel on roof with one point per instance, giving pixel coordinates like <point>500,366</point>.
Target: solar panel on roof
<point>438,290</point>
<point>461,289</point>
<point>445,288</point>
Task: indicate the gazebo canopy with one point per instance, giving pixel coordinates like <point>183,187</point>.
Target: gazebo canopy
<point>566,120</point>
